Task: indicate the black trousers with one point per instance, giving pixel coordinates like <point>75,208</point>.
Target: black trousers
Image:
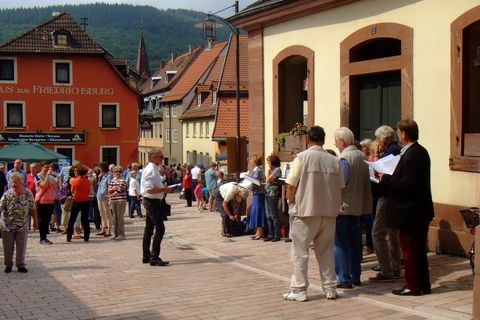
<point>229,227</point>
<point>83,208</point>
<point>45,212</point>
<point>97,219</point>
<point>154,226</point>
<point>188,196</point>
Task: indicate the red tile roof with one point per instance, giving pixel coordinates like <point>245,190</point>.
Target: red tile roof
<point>226,121</point>
<point>193,74</point>
<point>40,39</point>
<point>178,64</point>
<point>226,118</point>
<point>207,109</point>
<point>229,78</point>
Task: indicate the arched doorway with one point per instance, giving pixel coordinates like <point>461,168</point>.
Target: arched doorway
<point>376,71</point>
<point>292,89</point>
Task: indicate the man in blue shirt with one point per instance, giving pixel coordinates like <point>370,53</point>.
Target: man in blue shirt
<point>17,167</point>
<point>211,177</point>
<point>103,182</point>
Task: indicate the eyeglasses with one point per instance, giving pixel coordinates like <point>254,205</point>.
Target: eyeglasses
<point>118,171</point>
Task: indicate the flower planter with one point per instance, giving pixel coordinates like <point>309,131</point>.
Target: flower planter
<point>292,145</point>
<point>295,143</point>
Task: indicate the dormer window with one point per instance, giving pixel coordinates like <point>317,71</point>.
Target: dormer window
<point>199,99</point>
<point>155,81</point>
<point>62,38</point>
<point>201,96</point>
<point>169,74</point>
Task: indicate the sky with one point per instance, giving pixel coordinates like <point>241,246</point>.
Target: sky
<point>197,5</point>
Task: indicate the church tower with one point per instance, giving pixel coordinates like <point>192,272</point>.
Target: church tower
<point>143,68</point>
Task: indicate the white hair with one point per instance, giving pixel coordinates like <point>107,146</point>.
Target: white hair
<point>244,192</point>
<point>366,143</point>
<point>345,134</point>
<point>385,134</point>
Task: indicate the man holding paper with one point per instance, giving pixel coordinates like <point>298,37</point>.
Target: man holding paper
<point>153,192</point>
<point>410,208</point>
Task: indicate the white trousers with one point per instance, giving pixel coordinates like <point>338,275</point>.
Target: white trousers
<point>105,214</point>
<point>320,230</point>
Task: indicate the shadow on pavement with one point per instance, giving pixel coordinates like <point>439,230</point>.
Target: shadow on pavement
<point>38,295</point>
<point>446,275</point>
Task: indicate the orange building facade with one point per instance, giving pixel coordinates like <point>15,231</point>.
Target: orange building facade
<point>72,99</point>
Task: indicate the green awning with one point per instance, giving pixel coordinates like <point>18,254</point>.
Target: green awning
<point>28,152</point>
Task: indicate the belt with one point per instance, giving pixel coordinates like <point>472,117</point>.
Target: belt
<point>151,199</point>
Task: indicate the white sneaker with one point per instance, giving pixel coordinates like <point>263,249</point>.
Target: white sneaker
<point>331,295</point>
<point>296,296</point>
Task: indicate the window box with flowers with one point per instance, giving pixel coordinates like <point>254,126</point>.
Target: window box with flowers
<point>292,142</point>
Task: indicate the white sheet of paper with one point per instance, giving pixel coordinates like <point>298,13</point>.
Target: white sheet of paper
<point>254,181</point>
<point>372,175</point>
<point>174,185</point>
<point>385,165</point>
<point>245,183</point>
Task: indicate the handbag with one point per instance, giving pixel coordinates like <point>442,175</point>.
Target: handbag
<point>63,194</point>
<point>37,201</point>
<point>165,208</point>
<point>68,205</point>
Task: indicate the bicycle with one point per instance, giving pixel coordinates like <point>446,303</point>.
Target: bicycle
<point>471,216</point>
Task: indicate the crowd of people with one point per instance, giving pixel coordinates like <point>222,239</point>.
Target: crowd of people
<point>327,197</point>
<point>67,200</point>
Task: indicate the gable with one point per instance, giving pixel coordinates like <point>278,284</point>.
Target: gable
<point>41,39</point>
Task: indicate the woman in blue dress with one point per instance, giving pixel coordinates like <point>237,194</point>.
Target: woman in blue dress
<point>257,218</point>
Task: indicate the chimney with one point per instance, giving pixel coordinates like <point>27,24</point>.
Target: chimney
<point>210,43</point>
<point>162,64</point>
<point>190,48</point>
<point>173,55</point>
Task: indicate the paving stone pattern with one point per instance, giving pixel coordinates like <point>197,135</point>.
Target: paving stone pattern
<point>209,277</point>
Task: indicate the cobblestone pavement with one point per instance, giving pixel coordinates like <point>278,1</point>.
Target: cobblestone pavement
<point>209,277</point>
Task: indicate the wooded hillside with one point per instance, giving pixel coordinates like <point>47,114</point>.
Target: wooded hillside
<point>116,27</point>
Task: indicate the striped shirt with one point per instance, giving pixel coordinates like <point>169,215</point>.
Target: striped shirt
<point>117,190</point>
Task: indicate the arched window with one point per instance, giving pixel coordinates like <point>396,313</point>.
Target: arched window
<point>375,49</point>
<point>376,78</point>
<point>465,90</point>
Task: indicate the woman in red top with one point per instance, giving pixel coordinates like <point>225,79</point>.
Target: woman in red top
<point>187,185</point>
<point>81,195</point>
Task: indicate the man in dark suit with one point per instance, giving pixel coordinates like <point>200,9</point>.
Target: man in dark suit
<point>410,207</point>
